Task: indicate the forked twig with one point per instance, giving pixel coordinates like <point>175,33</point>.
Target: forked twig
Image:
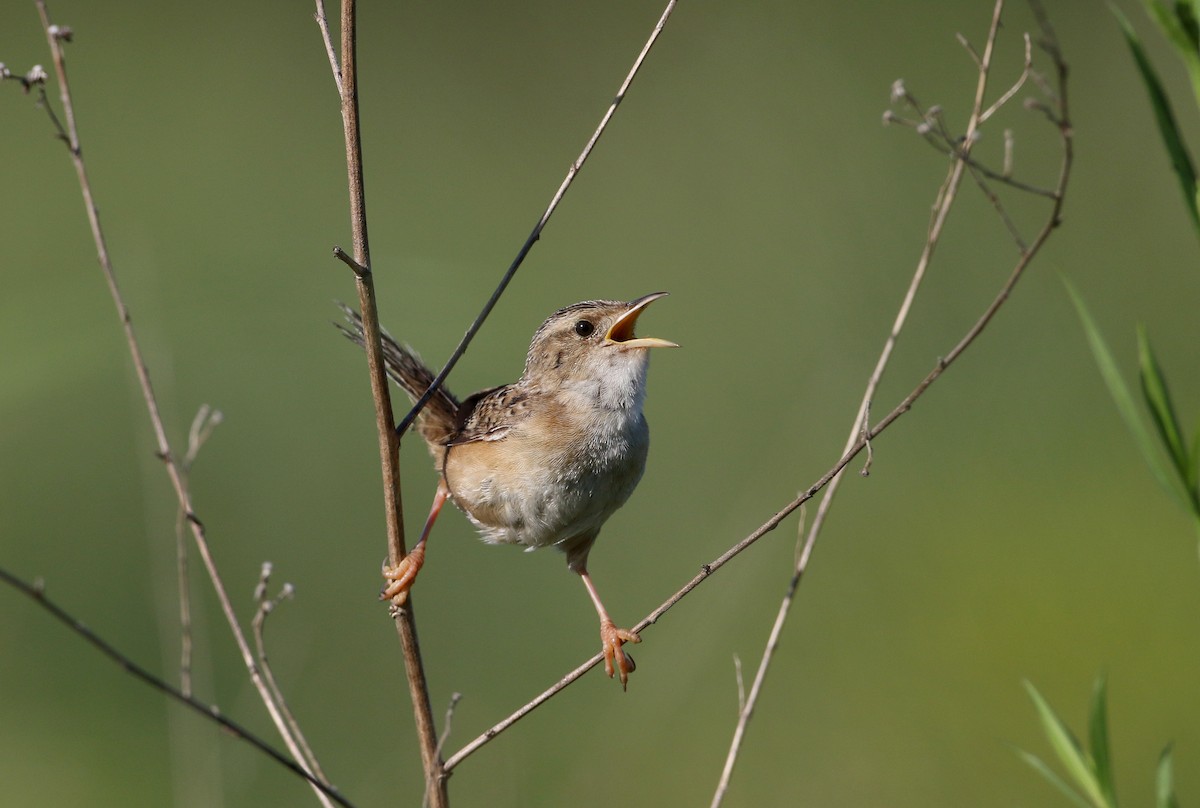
<point>266,606</point>
<point>55,36</point>
<point>447,723</point>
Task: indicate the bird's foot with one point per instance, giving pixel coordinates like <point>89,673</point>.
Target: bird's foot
<point>615,658</point>
<point>401,576</point>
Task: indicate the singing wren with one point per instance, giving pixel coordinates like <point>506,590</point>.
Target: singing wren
<point>544,461</point>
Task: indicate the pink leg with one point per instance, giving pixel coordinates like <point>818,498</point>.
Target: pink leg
<point>402,575</point>
<point>611,637</point>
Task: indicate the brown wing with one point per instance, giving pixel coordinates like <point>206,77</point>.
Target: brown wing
<point>489,414</point>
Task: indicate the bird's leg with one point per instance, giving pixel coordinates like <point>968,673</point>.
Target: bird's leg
<point>611,637</point>
<point>401,576</point>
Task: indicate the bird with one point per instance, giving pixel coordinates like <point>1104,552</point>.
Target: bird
<point>546,460</point>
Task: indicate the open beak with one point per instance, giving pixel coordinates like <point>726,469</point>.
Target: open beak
<point>621,332</point>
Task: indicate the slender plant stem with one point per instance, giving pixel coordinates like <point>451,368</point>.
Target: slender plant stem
<point>209,711</point>
<point>207,419</point>
<point>258,627</point>
<point>54,38</point>
<point>347,82</point>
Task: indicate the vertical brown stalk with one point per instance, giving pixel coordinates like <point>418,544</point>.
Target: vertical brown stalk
<point>389,442</point>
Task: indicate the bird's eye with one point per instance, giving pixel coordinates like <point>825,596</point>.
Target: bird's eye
<point>584,328</point>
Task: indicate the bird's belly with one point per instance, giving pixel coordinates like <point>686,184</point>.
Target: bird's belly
<point>524,495</point>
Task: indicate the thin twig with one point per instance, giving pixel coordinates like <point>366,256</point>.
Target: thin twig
<point>741,684</point>
<point>455,698</point>
<point>330,51</point>
<point>865,471</point>
<point>1016,86</point>
<point>447,723</point>
<point>37,594</point>
<point>853,450</point>
<point>54,36</point>
<point>536,233</point>
<point>206,421</point>
<point>1001,211</point>
<point>266,606</point>
<point>748,702</point>
<point>928,124</point>
<point>389,442</point>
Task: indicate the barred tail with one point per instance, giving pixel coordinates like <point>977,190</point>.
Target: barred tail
<point>438,421</point>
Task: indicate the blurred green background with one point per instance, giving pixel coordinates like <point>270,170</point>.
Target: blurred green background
<point>1009,529</point>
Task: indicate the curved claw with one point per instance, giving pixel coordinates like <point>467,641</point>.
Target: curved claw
<point>402,576</point>
<point>615,658</point>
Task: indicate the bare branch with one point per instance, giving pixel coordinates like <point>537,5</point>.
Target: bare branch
<point>357,268</point>
<point>969,48</point>
<point>447,722</point>
<point>741,684</point>
<point>864,424</point>
<point>748,703</point>
<point>323,24</point>
<point>1015,88</point>
<point>346,78</point>
<point>211,712</point>
<point>206,421</point>
<point>258,625</point>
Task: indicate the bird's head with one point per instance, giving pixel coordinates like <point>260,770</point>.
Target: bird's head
<point>593,341</point>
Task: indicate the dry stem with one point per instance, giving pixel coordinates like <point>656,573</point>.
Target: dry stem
<point>207,419</point>
<point>258,626</point>
<point>346,79</point>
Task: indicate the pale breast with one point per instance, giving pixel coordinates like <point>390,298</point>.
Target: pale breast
<point>554,477</point>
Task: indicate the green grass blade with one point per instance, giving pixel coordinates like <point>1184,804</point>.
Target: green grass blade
<point>1164,782</point>
<point>1098,740</point>
<point>1069,752</point>
<point>1124,401</point>
<point>1158,399</point>
<point>1181,161</point>
<point>1174,22</point>
<point>1194,469</point>
<point>1194,15</point>
<point>1178,22</point>
<point>1052,777</point>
